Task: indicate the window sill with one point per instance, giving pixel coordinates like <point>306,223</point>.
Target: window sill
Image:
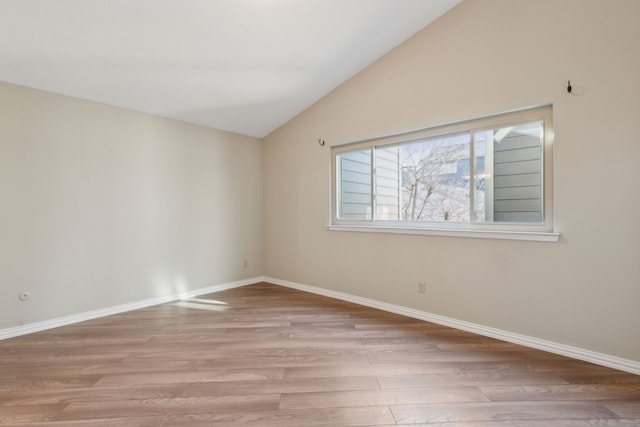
<point>482,234</point>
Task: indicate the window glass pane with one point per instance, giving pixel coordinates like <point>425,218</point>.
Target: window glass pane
<point>509,188</point>
<point>354,185</point>
<point>435,179</point>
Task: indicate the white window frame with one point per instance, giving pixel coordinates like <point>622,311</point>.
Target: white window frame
<point>543,231</point>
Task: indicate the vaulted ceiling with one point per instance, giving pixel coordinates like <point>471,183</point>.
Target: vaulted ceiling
<point>246,66</point>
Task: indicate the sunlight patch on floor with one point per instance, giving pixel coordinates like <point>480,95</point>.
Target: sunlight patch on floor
<point>203,304</point>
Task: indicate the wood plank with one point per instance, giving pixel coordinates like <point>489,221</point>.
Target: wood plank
<point>562,392</point>
<point>499,411</point>
<point>177,377</point>
<point>467,379</point>
<point>24,383</point>
<point>442,356</point>
<point>625,409</point>
<point>333,417</point>
<point>29,413</point>
<point>463,424</point>
<point>615,422</point>
<point>153,421</point>
<point>89,394</point>
<point>179,405</point>
<point>343,399</point>
<point>379,369</point>
<point>287,385</point>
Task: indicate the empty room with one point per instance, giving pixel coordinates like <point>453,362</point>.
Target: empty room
<point>320,213</point>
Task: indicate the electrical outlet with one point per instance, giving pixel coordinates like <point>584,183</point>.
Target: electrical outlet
<point>422,287</point>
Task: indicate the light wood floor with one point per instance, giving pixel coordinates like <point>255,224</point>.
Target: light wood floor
<point>265,355</point>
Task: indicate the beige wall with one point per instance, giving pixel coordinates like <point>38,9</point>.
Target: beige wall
<point>486,57</point>
<point>103,206</point>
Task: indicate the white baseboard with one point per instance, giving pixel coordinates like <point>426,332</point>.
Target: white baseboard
<point>102,312</point>
<point>552,347</point>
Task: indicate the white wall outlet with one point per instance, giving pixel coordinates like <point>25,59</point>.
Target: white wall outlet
<point>24,295</point>
<point>422,287</point>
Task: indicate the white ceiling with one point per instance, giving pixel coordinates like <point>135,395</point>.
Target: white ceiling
<point>246,66</point>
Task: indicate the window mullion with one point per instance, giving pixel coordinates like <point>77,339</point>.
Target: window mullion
<point>374,196</point>
<point>473,209</point>
<point>488,177</point>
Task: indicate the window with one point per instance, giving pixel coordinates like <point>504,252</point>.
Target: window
<point>485,175</point>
